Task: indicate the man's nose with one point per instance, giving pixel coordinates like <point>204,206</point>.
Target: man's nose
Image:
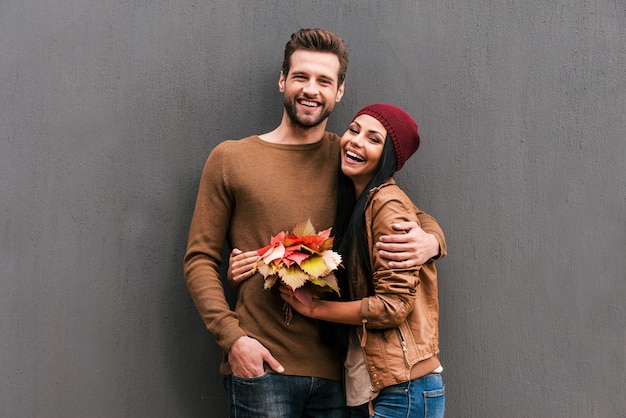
<point>310,88</point>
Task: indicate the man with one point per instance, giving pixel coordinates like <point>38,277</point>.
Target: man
<point>253,188</point>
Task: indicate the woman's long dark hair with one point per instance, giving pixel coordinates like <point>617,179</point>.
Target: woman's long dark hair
<point>350,237</point>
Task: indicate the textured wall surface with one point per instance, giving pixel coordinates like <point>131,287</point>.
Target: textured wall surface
<point>108,110</point>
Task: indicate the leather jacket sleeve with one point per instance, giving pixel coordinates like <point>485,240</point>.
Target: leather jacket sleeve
<point>394,290</point>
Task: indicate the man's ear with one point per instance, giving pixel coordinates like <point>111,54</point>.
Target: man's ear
<point>281,82</point>
<point>340,91</point>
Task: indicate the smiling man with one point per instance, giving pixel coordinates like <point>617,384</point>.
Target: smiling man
<point>311,88</point>
<point>251,189</point>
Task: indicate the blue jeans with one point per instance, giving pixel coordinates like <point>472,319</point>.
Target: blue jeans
<point>421,397</point>
<point>282,396</point>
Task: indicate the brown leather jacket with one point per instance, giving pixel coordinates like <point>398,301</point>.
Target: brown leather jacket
<point>400,320</point>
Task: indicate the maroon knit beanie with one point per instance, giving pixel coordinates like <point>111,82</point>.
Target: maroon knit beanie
<point>400,127</point>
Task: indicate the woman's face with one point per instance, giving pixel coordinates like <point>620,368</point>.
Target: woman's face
<point>361,150</point>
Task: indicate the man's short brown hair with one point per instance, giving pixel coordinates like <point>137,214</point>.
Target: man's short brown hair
<point>317,40</point>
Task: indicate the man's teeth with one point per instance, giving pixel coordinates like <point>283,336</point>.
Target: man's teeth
<point>307,103</point>
<point>354,156</point>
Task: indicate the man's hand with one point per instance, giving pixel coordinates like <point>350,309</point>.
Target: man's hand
<point>413,248</point>
<point>247,356</point>
<point>241,266</point>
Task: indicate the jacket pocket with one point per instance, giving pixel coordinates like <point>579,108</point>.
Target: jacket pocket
<point>407,344</point>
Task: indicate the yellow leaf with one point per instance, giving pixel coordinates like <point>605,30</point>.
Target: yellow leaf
<point>315,266</point>
<point>326,283</point>
<point>303,229</point>
<point>265,269</point>
<point>269,282</point>
<point>293,277</point>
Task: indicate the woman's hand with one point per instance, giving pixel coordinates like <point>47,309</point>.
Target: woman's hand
<point>302,300</point>
<point>306,303</point>
<point>241,266</point>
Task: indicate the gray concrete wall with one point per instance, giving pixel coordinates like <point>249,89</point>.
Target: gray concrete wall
<point>108,110</point>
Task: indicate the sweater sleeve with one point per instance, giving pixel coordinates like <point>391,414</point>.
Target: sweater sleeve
<point>207,235</point>
<point>431,226</point>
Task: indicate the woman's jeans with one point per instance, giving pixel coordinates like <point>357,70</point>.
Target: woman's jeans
<point>282,396</point>
<point>421,397</point>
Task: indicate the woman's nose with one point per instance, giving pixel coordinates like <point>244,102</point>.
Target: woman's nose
<point>356,140</point>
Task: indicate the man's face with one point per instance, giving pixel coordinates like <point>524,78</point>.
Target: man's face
<point>311,88</point>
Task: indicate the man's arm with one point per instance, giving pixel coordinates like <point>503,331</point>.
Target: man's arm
<point>201,263</point>
<point>202,260</point>
<point>413,244</point>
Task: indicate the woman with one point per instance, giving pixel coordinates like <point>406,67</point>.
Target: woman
<point>391,364</point>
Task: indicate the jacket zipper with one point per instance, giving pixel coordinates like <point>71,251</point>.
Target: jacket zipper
<point>404,350</point>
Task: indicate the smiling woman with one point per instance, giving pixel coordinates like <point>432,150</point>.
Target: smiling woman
<point>395,370</point>
<point>361,149</point>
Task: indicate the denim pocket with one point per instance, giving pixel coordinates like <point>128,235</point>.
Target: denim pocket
<point>250,379</point>
<point>434,403</point>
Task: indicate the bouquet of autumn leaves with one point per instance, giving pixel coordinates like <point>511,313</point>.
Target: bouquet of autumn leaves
<point>300,259</point>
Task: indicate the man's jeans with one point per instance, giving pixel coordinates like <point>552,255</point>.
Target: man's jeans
<point>282,396</point>
<point>421,397</point>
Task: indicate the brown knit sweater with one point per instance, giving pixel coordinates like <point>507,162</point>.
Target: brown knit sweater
<point>250,190</point>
